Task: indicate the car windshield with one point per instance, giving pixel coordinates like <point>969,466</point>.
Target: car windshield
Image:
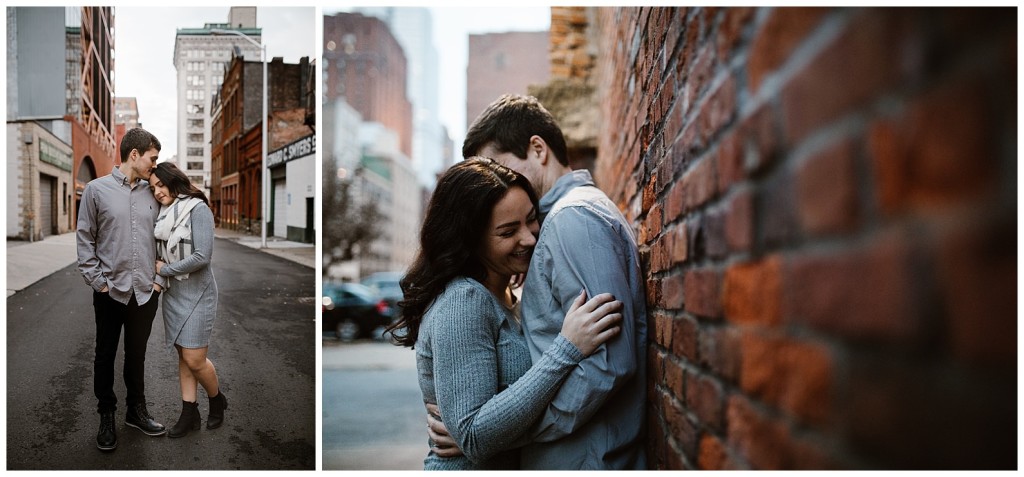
<point>338,291</point>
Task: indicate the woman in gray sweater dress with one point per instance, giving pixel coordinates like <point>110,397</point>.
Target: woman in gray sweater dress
<point>184,235</point>
<point>461,317</point>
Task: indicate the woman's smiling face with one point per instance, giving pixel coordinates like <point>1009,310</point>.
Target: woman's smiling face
<point>508,244</point>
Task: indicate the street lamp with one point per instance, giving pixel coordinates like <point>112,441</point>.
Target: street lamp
<point>263,166</point>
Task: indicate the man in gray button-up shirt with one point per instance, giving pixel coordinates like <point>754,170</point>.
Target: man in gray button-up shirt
<point>596,420</point>
<point>117,258</point>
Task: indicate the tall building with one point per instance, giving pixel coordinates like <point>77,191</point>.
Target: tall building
<point>201,58</point>
<point>413,28</point>
<point>59,77</point>
<point>365,64</point>
<point>126,116</point>
<point>502,63</point>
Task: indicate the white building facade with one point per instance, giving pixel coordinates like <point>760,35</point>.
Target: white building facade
<point>201,58</point>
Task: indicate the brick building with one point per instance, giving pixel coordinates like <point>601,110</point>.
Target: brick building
<point>365,64</point>
<point>236,147</point>
<point>825,201</point>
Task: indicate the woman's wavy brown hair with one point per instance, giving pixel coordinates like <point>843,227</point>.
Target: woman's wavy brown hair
<point>457,216</point>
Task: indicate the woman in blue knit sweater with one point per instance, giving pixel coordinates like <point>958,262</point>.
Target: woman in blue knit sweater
<point>460,315</point>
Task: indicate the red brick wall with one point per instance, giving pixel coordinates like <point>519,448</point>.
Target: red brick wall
<point>825,201</point>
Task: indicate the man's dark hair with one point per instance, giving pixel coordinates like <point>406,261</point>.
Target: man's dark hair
<point>508,123</point>
<point>139,139</point>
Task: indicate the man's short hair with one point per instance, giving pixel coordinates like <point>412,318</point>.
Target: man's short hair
<point>139,139</point>
<point>508,123</point>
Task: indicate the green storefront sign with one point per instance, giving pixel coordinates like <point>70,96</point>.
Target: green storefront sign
<point>51,154</point>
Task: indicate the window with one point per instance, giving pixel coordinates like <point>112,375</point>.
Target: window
<point>195,166</point>
<point>194,137</point>
<point>195,109</point>
<point>195,123</point>
<point>195,152</point>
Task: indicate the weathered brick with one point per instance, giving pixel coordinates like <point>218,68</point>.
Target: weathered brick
<point>731,29</point>
<point>683,431</point>
<point>777,211</point>
<point>719,351</point>
<point>718,110</point>
<point>684,338</point>
<point>714,227</point>
<point>761,441</point>
<point>705,397</point>
<point>865,59</point>
<point>795,376</point>
<point>730,161</point>
<point>760,142</point>
<point>672,292</point>
<point>739,221</point>
<point>866,293</point>
<point>782,32</point>
<point>977,266</point>
<point>714,456</point>
<point>699,184</point>
<point>703,292</point>
<point>827,191</point>
<point>752,292</point>
<point>653,293</point>
<point>662,329</point>
<point>679,243</point>
<point>920,159</point>
<point>674,378</point>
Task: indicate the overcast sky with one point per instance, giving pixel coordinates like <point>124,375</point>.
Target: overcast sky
<point>144,52</point>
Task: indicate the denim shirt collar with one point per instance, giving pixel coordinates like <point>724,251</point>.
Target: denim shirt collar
<point>562,186</point>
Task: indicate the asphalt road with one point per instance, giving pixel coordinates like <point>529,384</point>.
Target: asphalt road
<point>263,346</point>
<point>373,415</point>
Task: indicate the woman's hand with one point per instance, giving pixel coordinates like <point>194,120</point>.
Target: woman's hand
<point>444,445</point>
<point>590,323</point>
<point>159,265</point>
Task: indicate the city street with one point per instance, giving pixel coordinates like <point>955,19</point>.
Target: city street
<point>373,416</point>
<point>263,347</point>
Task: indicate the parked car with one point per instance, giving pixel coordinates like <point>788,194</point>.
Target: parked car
<point>386,284</point>
<point>353,311</point>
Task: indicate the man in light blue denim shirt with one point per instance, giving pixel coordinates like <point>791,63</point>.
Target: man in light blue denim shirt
<point>597,419</point>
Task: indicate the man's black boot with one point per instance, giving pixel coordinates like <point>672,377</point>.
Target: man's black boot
<point>218,404</point>
<point>188,421</point>
<point>106,438</point>
<point>139,418</point>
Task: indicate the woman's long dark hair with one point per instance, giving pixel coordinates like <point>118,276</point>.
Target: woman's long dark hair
<point>177,182</point>
<point>457,217</point>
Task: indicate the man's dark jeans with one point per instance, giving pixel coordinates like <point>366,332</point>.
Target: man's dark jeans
<point>137,321</point>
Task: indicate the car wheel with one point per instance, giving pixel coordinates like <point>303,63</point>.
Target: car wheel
<point>347,330</point>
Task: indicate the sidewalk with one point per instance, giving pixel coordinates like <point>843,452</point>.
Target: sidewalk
<point>29,262</point>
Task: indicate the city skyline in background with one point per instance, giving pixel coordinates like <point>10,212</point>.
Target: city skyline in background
<point>451,29</point>
<point>145,69</point>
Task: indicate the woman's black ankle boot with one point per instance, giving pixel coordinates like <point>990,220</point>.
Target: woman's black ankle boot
<point>218,404</point>
<point>188,421</point>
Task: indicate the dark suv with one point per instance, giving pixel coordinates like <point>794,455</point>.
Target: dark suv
<point>354,311</point>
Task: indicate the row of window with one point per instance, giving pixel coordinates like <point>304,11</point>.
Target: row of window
<point>195,94</point>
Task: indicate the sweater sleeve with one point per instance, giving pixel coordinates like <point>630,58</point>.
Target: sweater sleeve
<point>202,243</point>
<point>482,420</point>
